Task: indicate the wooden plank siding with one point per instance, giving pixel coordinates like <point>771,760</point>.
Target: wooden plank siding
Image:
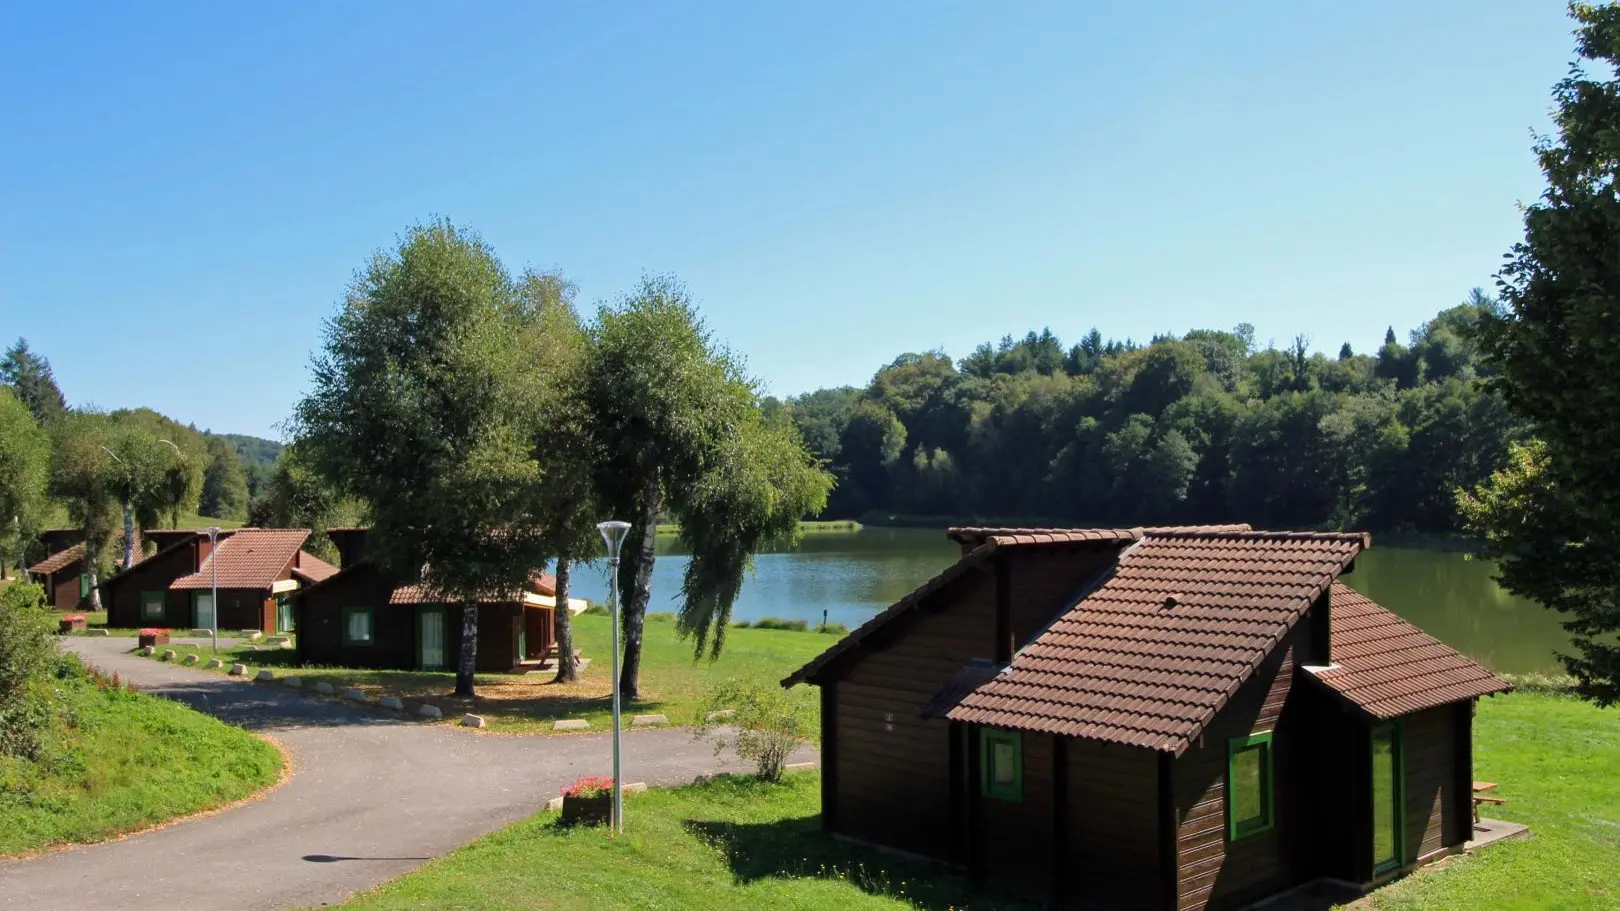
<point>893,766</point>
<point>1213,871</point>
<point>1428,753</point>
<point>1113,850</point>
<point>121,595</point>
<point>1043,581</point>
<point>1017,836</point>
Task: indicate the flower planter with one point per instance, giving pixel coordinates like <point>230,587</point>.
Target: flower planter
<point>153,637</point>
<point>72,623</point>
<point>595,810</point>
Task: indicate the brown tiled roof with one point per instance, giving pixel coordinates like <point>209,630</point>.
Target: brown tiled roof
<point>984,542</point>
<point>59,560</point>
<point>312,569</point>
<point>1150,655</point>
<point>250,558</point>
<point>1388,667</point>
<point>539,583</point>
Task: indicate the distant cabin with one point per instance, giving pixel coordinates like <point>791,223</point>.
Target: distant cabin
<point>1178,718</point>
<point>361,617</point>
<point>254,570</point>
<point>64,576</point>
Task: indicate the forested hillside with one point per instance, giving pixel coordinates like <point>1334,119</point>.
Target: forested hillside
<point>1204,427</point>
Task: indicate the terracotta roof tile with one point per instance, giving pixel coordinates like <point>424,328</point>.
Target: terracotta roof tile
<point>59,560</point>
<point>1387,667</point>
<point>539,583</point>
<point>250,558</point>
<point>983,542</point>
<point>1150,655</point>
<point>312,569</point>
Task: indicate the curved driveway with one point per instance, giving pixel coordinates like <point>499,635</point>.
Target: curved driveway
<point>370,797</point>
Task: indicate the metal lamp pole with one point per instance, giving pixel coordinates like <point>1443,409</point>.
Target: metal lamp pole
<point>213,594</point>
<point>613,535</point>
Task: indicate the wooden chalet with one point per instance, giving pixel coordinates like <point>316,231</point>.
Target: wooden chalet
<point>1179,718</point>
<point>64,577</point>
<point>361,618</point>
<point>256,570</point>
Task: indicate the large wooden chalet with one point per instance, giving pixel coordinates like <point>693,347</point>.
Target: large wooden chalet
<point>1179,718</point>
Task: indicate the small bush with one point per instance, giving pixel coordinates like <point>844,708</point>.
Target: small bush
<point>767,722</point>
<point>29,659</point>
<point>797,626</point>
<point>836,629</point>
<point>595,610</point>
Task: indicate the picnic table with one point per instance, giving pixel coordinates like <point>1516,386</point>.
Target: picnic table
<point>1482,795</point>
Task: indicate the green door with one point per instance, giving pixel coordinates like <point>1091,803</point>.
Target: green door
<point>84,586</point>
<point>520,638</point>
<point>284,613</point>
<point>430,639</point>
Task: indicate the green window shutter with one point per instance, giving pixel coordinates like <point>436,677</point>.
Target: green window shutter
<point>357,626</point>
<point>152,605</point>
<point>1250,802</point>
<point>84,585</point>
<point>1001,765</point>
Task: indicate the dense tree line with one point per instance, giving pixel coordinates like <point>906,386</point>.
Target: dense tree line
<point>1204,427</point>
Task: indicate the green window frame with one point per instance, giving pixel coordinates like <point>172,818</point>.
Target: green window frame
<point>1249,759</point>
<point>1397,768</point>
<point>1001,765</point>
<point>352,635</point>
<point>148,598</point>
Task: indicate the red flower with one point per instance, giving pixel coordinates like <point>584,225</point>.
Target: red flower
<point>153,631</point>
<point>589,786</point>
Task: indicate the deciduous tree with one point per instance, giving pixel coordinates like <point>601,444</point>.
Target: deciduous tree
<point>25,466</point>
<point>422,403</point>
<point>30,375</point>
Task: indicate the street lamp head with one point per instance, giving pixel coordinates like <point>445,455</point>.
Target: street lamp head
<point>213,532</point>
<point>613,535</point>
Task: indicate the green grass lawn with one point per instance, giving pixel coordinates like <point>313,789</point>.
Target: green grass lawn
<point>736,843</point>
<point>672,683</point>
<point>733,843</point>
<point>1557,761</point>
<point>129,761</point>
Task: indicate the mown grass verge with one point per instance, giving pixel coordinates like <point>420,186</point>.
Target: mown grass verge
<point>672,682</point>
<point>124,761</point>
<point>732,843</point>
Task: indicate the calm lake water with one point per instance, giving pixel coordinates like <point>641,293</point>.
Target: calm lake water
<point>852,576</point>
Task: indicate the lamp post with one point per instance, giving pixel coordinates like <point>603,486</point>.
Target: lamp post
<point>613,535</point>
<point>213,594</point>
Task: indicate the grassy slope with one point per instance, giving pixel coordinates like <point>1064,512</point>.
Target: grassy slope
<point>132,761</point>
<point>1557,760</point>
<point>671,682</point>
<point>739,844</point>
<point>729,844</point>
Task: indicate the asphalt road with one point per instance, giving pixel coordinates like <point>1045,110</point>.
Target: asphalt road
<point>370,797</point>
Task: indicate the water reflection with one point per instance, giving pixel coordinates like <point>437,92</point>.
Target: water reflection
<point>852,576</point>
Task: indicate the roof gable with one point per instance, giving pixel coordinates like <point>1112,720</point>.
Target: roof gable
<point>1149,656</point>
<point>251,558</point>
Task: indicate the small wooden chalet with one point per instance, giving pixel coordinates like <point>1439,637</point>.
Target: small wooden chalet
<point>63,576</point>
<point>1179,718</point>
<point>255,569</point>
<point>361,618</point>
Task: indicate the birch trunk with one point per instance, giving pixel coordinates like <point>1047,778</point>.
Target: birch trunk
<point>468,663</point>
<point>635,586</point>
<point>129,536</point>
<point>567,670</point>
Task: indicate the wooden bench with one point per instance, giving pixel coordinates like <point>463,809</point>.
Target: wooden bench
<point>1481,796</point>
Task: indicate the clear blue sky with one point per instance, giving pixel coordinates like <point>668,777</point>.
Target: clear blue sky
<point>186,189</point>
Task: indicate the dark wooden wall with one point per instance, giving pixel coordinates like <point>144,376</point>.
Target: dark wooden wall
<point>121,595</point>
<point>1429,748</point>
<point>1015,839</point>
<point>1112,844</point>
<point>63,586</point>
<point>318,616</point>
<point>1211,871</point>
<point>1043,580</point>
<point>893,766</point>
<point>239,608</point>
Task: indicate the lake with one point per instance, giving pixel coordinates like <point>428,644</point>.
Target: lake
<point>852,576</point>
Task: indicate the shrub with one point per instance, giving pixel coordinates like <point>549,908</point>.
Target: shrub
<point>836,629</point>
<point>28,660</point>
<point>766,725</point>
<point>797,626</point>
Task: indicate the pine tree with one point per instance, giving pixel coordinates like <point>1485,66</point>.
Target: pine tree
<point>30,375</point>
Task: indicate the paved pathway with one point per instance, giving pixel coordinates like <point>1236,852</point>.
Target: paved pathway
<point>370,798</point>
